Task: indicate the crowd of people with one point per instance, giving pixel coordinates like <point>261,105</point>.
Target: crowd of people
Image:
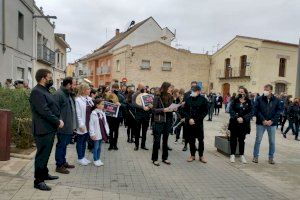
<point>78,110</point>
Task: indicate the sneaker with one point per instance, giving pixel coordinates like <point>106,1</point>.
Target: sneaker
<point>184,148</point>
<point>271,161</point>
<point>96,163</point>
<point>243,159</point>
<point>255,159</point>
<point>87,161</point>
<point>232,158</point>
<point>100,163</point>
<point>82,162</point>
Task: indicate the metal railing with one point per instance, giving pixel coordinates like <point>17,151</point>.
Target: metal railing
<point>233,73</point>
<point>45,55</point>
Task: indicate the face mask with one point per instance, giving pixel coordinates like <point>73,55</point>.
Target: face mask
<point>266,93</point>
<point>193,94</point>
<point>49,83</point>
<point>241,96</point>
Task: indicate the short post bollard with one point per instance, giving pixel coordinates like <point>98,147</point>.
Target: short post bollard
<point>5,134</point>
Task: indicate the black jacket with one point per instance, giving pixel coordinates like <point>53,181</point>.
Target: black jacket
<point>195,108</point>
<point>62,98</point>
<point>293,113</point>
<point>267,110</point>
<point>139,110</point>
<point>158,107</point>
<point>45,111</point>
<point>244,111</point>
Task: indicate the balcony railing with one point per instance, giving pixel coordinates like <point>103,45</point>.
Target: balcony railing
<point>234,73</point>
<point>103,70</point>
<point>45,55</point>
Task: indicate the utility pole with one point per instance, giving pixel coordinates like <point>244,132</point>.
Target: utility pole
<point>297,94</point>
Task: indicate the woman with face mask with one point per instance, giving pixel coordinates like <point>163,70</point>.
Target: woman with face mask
<point>241,112</point>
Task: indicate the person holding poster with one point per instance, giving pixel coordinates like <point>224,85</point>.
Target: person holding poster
<point>162,122</point>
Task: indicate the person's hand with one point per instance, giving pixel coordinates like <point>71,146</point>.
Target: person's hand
<point>146,108</point>
<point>269,123</point>
<point>166,110</point>
<point>61,124</point>
<point>150,106</point>
<point>82,129</point>
<point>93,137</point>
<point>175,109</point>
<point>265,123</point>
<point>191,121</point>
<point>240,120</point>
<point>118,103</point>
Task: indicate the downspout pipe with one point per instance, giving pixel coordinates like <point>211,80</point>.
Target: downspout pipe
<point>3,27</point>
<point>297,93</point>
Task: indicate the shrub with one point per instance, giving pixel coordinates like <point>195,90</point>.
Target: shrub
<point>18,102</point>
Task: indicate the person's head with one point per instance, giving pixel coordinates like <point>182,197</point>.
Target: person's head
<point>193,83</point>
<point>175,93</point>
<point>44,77</point>
<point>93,93</point>
<point>69,83</point>
<point>268,89</point>
<point>115,87</point>
<point>140,87</point>
<point>124,88</point>
<point>99,104</point>
<point>181,92</point>
<point>243,92</point>
<point>233,95</point>
<point>196,91</point>
<point>129,96</point>
<point>165,88</point>
<point>84,89</point>
<point>152,91</point>
<point>297,101</point>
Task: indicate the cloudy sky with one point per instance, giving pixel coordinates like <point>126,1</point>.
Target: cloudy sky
<point>200,24</point>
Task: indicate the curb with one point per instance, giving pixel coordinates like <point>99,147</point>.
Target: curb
<point>28,157</point>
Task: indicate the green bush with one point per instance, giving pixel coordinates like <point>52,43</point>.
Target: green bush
<point>18,102</point>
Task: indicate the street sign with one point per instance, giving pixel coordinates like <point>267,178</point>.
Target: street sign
<point>124,80</point>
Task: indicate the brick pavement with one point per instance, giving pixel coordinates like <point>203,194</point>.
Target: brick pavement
<point>127,174</point>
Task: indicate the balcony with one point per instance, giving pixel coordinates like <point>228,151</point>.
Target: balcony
<point>233,73</point>
<point>103,70</point>
<point>45,55</point>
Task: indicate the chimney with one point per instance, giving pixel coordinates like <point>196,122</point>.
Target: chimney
<point>117,32</point>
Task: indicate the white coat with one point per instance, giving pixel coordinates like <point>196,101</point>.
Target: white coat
<point>95,129</point>
<point>81,112</point>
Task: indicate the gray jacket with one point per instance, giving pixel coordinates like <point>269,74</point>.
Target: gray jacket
<point>65,102</point>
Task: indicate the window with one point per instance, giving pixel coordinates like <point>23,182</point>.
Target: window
<point>145,64</point>
<point>21,26</point>
<point>227,68</point>
<point>280,87</point>
<point>167,66</point>
<point>58,58</point>
<point>62,61</point>
<point>118,65</point>
<point>282,64</point>
<point>20,73</point>
<point>243,65</point>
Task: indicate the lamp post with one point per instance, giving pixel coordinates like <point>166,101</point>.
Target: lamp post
<point>297,92</point>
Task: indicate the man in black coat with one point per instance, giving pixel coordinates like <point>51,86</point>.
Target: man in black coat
<point>66,103</point>
<point>195,110</point>
<point>45,122</point>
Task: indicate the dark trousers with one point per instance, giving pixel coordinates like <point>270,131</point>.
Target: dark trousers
<point>210,112</point>
<point>284,118</point>
<point>44,146</point>
<point>291,126</point>
<point>130,132</point>
<point>177,131</point>
<point>114,124</point>
<point>142,124</point>
<point>297,130</point>
<point>217,110</point>
<point>185,133</point>
<point>234,137</point>
<point>160,129</point>
<point>196,132</point>
<point>61,148</point>
<point>81,145</point>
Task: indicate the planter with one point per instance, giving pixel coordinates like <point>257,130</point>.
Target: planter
<point>223,145</point>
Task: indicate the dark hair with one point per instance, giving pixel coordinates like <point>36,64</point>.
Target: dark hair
<point>129,96</point>
<point>115,86</point>
<point>193,82</point>
<point>93,91</point>
<point>66,81</point>
<point>165,96</point>
<point>41,73</point>
<point>269,86</point>
<point>97,102</point>
<point>245,90</point>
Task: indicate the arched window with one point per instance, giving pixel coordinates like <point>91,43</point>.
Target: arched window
<point>243,65</point>
<point>280,87</point>
<point>282,65</point>
<point>227,68</point>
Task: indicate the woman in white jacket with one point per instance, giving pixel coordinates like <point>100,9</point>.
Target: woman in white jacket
<point>99,130</point>
<point>84,105</point>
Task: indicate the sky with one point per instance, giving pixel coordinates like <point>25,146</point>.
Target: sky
<point>201,25</point>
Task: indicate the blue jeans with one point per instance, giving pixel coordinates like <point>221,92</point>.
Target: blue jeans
<point>97,149</point>
<point>81,145</point>
<point>63,139</point>
<point>260,129</point>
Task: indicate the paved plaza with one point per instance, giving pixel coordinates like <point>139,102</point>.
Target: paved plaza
<point>128,174</point>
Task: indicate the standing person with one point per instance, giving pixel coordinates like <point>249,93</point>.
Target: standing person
<point>84,105</point>
<point>195,110</point>
<point>293,117</point>
<point>130,118</point>
<point>267,111</point>
<point>226,100</point>
<point>179,116</point>
<point>142,119</point>
<point>211,104</point>
<point>99,130</point>
<point>162,122</point>
<point>45,122</point>
<point>286,104</point>
<point>218,103</point>
<point>68,114</point>
<point>241,112</point>
<point>114,122</point>
<point>185,125</point>
<point>8,84</point>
